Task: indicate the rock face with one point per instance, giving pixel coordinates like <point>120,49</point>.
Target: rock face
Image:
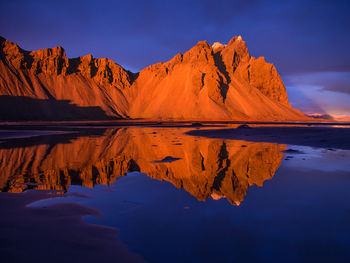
<point>55,87</point>
<point>207,82</point>
<point>205,168</point>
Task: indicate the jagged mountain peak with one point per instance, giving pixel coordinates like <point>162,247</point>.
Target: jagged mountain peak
<point>217,45</point>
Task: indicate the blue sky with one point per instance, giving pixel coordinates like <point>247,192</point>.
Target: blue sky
<point>308,41</point>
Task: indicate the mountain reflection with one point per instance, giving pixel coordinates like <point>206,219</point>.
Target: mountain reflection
<point>205,168</point>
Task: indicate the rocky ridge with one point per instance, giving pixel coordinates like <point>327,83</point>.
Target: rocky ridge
<point>207,82</point>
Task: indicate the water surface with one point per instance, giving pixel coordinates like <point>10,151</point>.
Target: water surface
<point>180,198</point>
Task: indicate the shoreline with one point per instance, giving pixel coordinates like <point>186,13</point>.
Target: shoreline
<point>122,122</point>
<point>323,135</point>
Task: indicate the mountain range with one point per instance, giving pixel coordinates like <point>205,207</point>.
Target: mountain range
<point>208,82</point>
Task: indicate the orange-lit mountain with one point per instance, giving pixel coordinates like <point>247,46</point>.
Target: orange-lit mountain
<point>207,82</point>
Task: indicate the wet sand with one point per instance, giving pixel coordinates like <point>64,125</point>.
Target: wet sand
<point>20,134</point>
<point>315,134</point>
<point>56,233</point>
<point>323,137</point>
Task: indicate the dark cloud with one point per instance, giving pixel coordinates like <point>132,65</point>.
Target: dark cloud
<point>340,84</point>
<point>297,36</point>
<point>325,81</point>
<point>339,87</point>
